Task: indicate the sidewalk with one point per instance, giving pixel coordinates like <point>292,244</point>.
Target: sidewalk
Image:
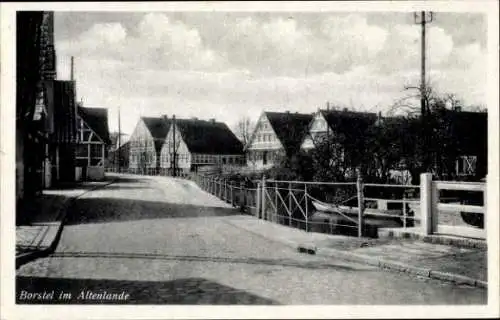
<point>444,262</point>
<point>39,234</point>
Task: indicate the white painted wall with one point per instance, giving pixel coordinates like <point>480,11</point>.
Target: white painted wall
<point>183,153</point>
<point>141,141</point>
<point>264,139</point>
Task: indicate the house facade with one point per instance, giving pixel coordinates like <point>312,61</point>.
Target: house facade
<point>276,135</point>
<point>93,143</point>
<point>193,143</point>
<point>35,66</point>
<point>145,144</point>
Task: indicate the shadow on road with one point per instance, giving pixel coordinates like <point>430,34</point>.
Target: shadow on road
<point>101,210</point>
<point>105,291</point>
<point>254,261</point>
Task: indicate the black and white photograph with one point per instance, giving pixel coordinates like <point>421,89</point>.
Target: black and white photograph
<point>201,154</point>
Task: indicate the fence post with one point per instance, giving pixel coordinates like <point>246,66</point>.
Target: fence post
<point>225,190</point>
<point>404,210</point>
<point>242,196</point>
<point>257,200</point>
<point>485,204</point>
<point>290,203</point>
<point>263,198</point>
<point>361,204</point>
<point>231,188</point>
<point>426,203</point>
<point>276,201</point>
<point>307,207</point>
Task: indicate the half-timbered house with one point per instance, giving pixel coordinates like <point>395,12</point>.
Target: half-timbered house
<point>145,144</point>
<point>276,135</point>
<point>93,142</point>
<point>193,143</point>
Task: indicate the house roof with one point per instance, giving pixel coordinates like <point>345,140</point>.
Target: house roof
<point>290,128</point>
<point>470,129</point>
<point>97,120</point>
<point>349,121</point>
<point>158,127</point>
<point>209,137</point>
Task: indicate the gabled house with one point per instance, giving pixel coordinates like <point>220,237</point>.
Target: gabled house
<point>145,144</point>
<point>277,135</point>
<point>93,142</point>
<point>192,143</point>
<point>332,121</point>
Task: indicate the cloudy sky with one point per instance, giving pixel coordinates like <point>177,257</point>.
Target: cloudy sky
<point>228,65</point>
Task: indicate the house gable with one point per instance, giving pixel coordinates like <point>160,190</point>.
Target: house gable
<point>317,127</point>
<point>180,147</point>
<point>264,137</point>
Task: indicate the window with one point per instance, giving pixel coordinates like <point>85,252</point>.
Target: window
<point>466,165</point>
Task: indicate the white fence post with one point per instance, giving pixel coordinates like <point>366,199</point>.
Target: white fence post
<point>263,198</point>
<point>426,203</point>
<point>485,205</point>
<point>257,200</point>
<point>361,204</point>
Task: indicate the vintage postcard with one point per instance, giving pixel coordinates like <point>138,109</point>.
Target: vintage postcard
<point>249,160</point>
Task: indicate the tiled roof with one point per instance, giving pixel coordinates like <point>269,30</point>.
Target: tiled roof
<point>97,120</point>
<point>349,121</point>
<point>470,129</point>
<point>158,127</point>
<point>290,128</point>
<point>208,137</point>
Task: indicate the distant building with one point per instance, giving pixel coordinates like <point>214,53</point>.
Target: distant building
<point>200,143</point>
<point>118,158</point>
<point>145,144</point>
<point>333,121</point>
<point>93,142</point>
<point>276,135</point>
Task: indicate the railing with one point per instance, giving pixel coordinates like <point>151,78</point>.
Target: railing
<point>238,195</point>
<point>440,217</point>
<point>312,206</point>
<point>331,207</point>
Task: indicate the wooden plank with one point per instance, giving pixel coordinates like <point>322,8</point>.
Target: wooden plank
<point>461,186</point>
<point>460,208</point>
<point>468,232</point>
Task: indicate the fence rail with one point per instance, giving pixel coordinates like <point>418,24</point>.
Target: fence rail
<point>360,207</point>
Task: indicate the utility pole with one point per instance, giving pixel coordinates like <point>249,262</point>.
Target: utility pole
<point>72,72</point>
<point>422,19</point>
<point>174,160</point>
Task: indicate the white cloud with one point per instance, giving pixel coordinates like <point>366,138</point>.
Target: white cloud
<point>165,66</point>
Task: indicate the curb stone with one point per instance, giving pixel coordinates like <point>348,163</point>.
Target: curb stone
<point>26,257</point>
<point>402,267</point>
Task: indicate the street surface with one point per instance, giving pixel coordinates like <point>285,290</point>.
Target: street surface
<point>160,240</point>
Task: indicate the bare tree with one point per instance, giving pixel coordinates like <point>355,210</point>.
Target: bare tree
<point>244,129</point>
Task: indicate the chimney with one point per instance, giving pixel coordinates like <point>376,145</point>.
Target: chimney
<point>212,120</point>
<point>165,117</point>
<point>328,106</point>
<point>288,111</point>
